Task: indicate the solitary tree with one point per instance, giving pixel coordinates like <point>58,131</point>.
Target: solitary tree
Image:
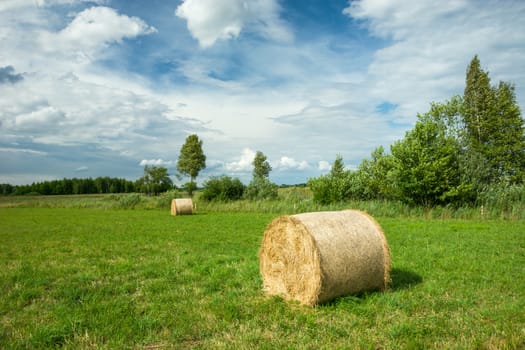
<point>191,160</point>
<point>261,167</point>
<point>260,187</point>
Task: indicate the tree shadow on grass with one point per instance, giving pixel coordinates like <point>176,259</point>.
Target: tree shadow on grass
<point>403,279</point>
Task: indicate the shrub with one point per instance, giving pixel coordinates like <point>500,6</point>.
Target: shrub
<point>261,188</point>
<point>325,190</point>
<point>223,188</point>
<point>328,188</point>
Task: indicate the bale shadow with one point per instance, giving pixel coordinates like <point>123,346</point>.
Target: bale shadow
<point>403,279</point>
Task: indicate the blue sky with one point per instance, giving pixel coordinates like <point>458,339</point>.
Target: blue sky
<point>104,87</point>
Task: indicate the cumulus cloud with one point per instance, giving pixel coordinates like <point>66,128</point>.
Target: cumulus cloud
<point>244,163</point>
<point>211,20</point>
<point>156,162</point>
<point>286,163</point>
<point>93,29</point>
<point>74,112</point>
<point>323,165</point>
<point>8,75</point>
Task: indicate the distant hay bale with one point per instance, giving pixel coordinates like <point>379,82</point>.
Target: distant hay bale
<point>316,257</point>
<point>181,206</point>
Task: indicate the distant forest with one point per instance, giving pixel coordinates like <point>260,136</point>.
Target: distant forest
<point>71,186</point>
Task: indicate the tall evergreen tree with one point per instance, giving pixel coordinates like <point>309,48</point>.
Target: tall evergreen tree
<point>477,105</point>
<point>494,127</point>
<point>507,152</point>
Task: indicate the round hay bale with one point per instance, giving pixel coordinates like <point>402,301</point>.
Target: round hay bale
<point>181,206</point>
<point>316,257</point>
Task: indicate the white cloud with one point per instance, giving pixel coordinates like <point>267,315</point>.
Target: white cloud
<point>93,29</point>
<point>66,2</point>
<point>396,18</point>
<point>286,163</point>
<point>156,162</point>
<point>323,165</point>
<point>22,150</point>
<point>14,4</point>
<point>61,112</point>
<point>431,44</point>
<point>63,103</point>
<point>81,169</point>
<point>244,163</point>
<point>211,20</point>
<point>47,116</point>
<point>319,131</point>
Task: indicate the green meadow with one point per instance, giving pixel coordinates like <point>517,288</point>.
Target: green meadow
<point>95,278</point>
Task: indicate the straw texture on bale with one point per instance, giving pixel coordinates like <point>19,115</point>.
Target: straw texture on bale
<point>181,206</point>
<point>316,257</point>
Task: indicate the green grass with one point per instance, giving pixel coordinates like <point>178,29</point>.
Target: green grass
<point>142,279</point>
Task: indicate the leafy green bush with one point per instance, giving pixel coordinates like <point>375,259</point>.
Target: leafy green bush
<point>223,188</point>
<point>328,188</point>
<point>336,186</point>
<point>261,188</point>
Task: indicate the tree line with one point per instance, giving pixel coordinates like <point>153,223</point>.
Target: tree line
<point>72,186</point>
<point>155,179</point>
<point>456,152</point>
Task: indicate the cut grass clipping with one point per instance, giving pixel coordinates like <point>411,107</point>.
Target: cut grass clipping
<point>316,257</point>
<point>181,206</point>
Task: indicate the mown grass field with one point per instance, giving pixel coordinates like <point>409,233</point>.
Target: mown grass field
<point>142,279</point>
